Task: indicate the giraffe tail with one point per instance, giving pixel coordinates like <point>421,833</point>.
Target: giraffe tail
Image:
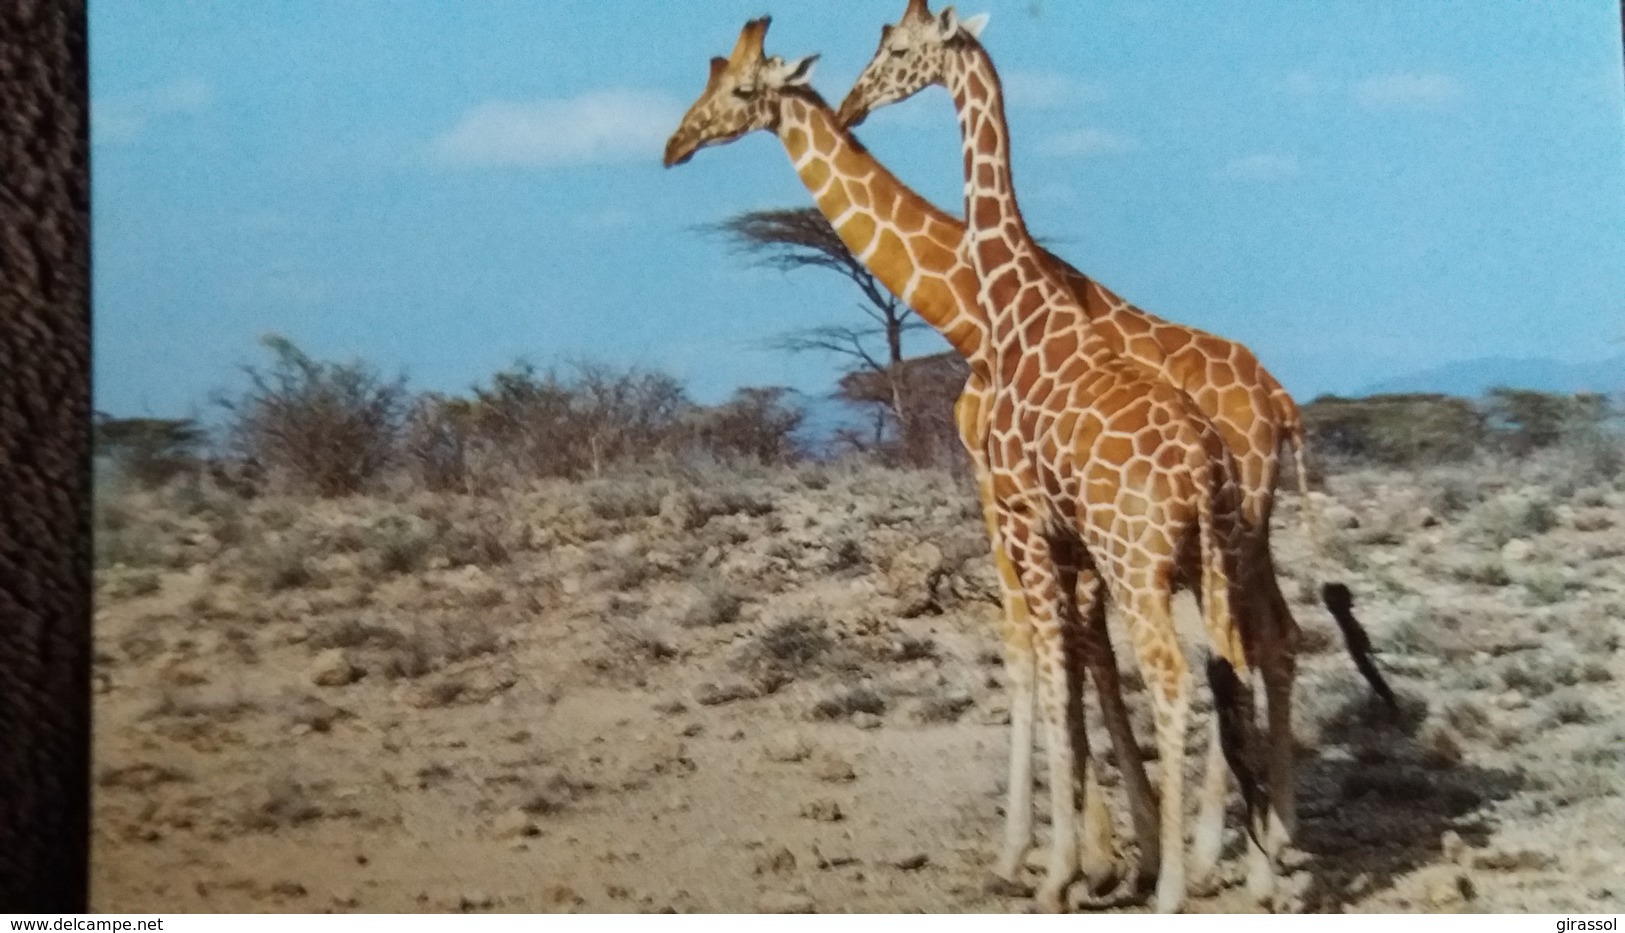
<point>1337,597</point>
<point>1232,697</point>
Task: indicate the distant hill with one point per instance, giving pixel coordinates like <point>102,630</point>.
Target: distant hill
<point>1475,377</point>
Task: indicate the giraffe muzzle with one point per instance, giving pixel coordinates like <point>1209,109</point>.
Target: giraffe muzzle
<point>678,151</point>
<point>851,113</point>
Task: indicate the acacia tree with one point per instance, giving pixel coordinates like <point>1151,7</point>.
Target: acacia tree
<point>801,238</point>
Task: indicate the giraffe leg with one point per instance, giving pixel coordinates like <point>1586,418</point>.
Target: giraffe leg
<point>1207,840</point>
<point>1019,665</point>
<point>1151,625</point>
<point>1102,664</point>
<point>1096,854</point>
<point>1016,637</point>
<point>1280,661</point>
<point>1038,577</point>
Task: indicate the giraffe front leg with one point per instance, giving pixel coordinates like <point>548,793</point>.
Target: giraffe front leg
<point>1016,641</point>
<point>1038,579</point>
<point>1019,664</point>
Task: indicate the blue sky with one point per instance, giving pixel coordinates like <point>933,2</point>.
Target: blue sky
<point>1357,189</point>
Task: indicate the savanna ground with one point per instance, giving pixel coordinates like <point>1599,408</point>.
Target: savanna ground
<point>753,688</point>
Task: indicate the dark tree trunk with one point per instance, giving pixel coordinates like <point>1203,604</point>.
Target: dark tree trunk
<point>45,556</point>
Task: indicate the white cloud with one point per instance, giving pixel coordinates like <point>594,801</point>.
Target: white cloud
<point>123,117</point>
<point>1047,90</point>
<point>1087,142</point>
<point>1406,91</point>
<point>596,127</point>
<point>1263,166</point>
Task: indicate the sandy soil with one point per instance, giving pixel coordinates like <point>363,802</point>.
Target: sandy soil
<point>781,690</point>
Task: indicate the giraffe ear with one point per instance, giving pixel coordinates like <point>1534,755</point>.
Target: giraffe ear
<point>949,24</point>
<point>800,72</point>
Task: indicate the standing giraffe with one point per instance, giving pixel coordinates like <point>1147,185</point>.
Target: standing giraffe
<point>1250,408</point>
<point>1087,448</point>
<point>913,250</point>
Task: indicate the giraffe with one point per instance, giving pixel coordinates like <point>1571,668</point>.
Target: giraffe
<point>912,248</point>
<point>1097,462</point>
<point>1251,409</point>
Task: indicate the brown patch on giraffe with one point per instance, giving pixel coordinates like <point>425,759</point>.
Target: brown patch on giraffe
<point>986,175</point>
<point>987,138</point>
<point>962,335</point>
<point>850,164</point>
<point>1032,332</point>
<point>995,253</point>
<point>987,215</point>
<point>931,297</point>
<point>1060,350</point>
<point>857,232</point>
<point>834,203</point>
<point>795,143</point>
<point>858,193</point>
<point>932,256</point>
<point>1114,449</point>
<point>890,260</point>
<point>815,175</point>
<point>822,137</point>
<point>910,215</point>
<point>1002,291</point>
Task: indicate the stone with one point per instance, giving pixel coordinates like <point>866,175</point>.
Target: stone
<point>514,824</point>
<point>911,861</point>
<point>823,809</point>
<point>786,748</point>
<point>784,902</point>
<point>727,690</point>
<point>833,769</point>
<point>333,668</point>
<point>780,861</point>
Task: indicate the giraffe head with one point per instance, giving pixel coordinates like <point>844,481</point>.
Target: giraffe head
<point>742,94</point>
<point>913,55</point>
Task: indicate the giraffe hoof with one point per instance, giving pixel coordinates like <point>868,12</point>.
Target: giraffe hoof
<point>1131,889</point>
<point>1051,899</point>
<point>1101,879</point>
<point>1001,886</point>
<point>1206,885</point>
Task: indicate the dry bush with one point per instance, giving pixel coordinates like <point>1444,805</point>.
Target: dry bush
<point>330,429</point>
<point>407,651</point>
<point>437,441</point>
<point>793,644</point>
<point>757,424</point>
<point>848,699</point>
<point>1401,430</point>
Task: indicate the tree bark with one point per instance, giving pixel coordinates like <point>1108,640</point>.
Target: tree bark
<point>45,548</point>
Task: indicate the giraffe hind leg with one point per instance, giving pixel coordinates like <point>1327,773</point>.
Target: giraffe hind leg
<point>1096,856</point>
<point>1102,664</point>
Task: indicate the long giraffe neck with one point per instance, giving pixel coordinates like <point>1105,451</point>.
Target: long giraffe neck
<point>897,235</point>
<point>1022,298</point>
